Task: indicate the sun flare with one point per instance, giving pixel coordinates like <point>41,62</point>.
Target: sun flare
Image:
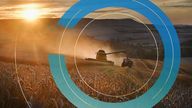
<point>30,13</point>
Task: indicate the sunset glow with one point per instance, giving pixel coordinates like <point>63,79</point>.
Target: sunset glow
<point>30,12</point>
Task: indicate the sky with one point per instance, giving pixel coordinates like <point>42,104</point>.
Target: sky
<point>179,11</point>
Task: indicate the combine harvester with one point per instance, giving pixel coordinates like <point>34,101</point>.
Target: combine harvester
<point>102,57</point>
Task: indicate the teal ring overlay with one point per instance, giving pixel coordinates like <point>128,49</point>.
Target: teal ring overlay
<point>171,55</point>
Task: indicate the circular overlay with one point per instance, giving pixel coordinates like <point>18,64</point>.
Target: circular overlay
<point>171,54</point>
<point>138,89</point>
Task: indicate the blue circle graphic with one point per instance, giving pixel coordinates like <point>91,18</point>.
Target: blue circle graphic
<point>171,54</point>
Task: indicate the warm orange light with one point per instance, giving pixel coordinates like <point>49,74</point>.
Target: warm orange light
<point>30,12</point>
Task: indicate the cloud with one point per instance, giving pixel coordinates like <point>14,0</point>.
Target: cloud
<point>179,11</point>
<point>46,9</point>
<point>174,3</point>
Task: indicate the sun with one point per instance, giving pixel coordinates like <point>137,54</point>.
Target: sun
<point>30,13</point>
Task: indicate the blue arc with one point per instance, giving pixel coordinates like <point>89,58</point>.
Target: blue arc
<point>171,54</point>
